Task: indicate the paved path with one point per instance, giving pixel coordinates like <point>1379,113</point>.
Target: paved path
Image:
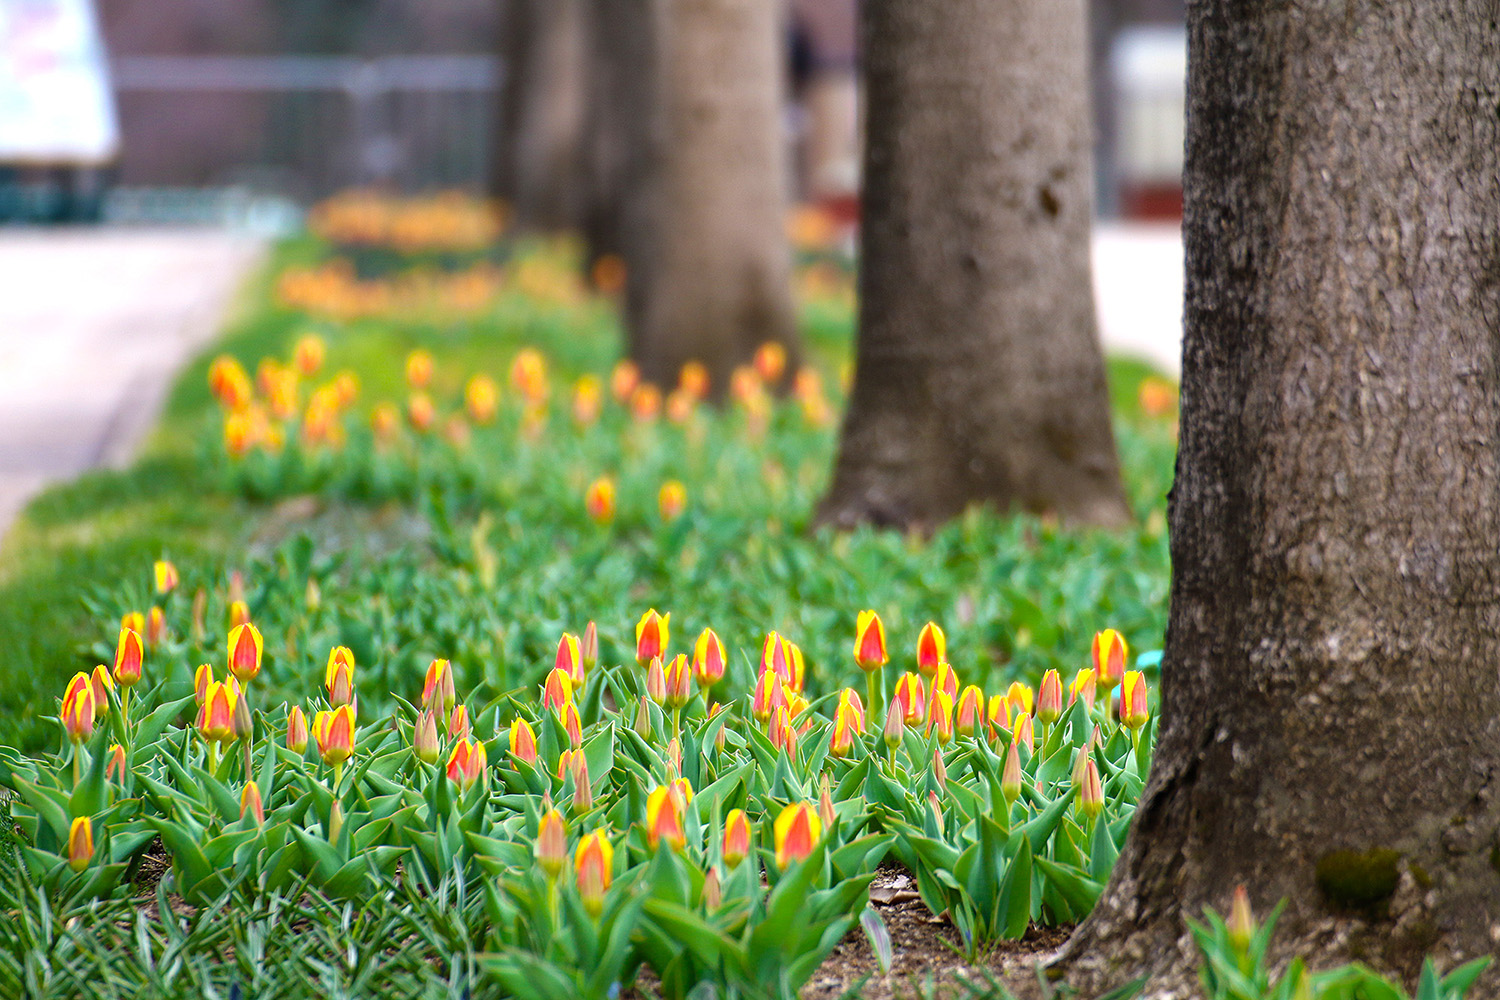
<point>94,323</point>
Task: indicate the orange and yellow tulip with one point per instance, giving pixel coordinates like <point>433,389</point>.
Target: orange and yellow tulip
<point>569,659</point>
<point>572,723</point>
<point>80,843</point>
<point>129,653</point>
<point>251,804</point>
<point>945,679</point>
<point>116,768</point>
<point>671,499</point>
<point>797,831</point>
<point>239,613</point>
<point>679,682</point>
<point>102,683</point>
<point>156,626</point>
<point>481,399</point>
<point>1085,686</point>
<point>523,741</point>
<point>552,844</point>
<point>940,716</point>
<point>334,733</point>
<point>424,737</point>
<point>296,730</point>
<point>467,763</point>
<point>599,500</point>
<point>737,836</point>
<point>338,678</point>
<point>245,647</point>
<point>216,715</point>
<point>869,642</point>
<point>166,577</point>
<point>970,711</point>
<point>78,708</point>
<point>557,689</point>
<point>1110,655</point>
<point>664,809</point>
<point>1133,709</point>
<point>594,863</point>
<point>651,636</point>
<point>709,659</point>
<point>845,725</point>
<point>1049,699</point>
<point>438,691</point>
<point>850,697</point>
<point>418,369</point>
<point>912,698</point>
<point>1091,790</point>
<point>932,649</point>
<point>770,694</point>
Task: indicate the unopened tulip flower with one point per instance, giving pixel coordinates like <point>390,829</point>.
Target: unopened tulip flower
<point>782,733</point>
<point>850,697</point>
<point>117,767</point>
<point>939,769</point>
<point>467,763</point>
<point>569,660</point>
<point>583,789</point>
<point>1241,922</point>
<point>825,798</point>
<point>970,711</point>
<point>418,369</point>
<point>244,725</point>
<point>594,863</point>
<point>166,577</point>
<point>338,678</point>
<point>385,422</point>
<point>245,646</point>
<point>656,681</point>
<point>102,683</point>
<point>936,805</point>
<point>998,715</point>
<point>239,613</point>
<point>1024,733</point>
<point>773,657</point>
<point>1091,790</point>
<point>796,664</point>
<point>682,788</point>
<point>1133,709</point>
<point>932,649</point>
<point>1049,699</point>
<point>674,757</point>
<point>1010,777</point>
<point>671,499</point>
<point>216,715</point>
<point>334,733</point>
<point>78,708</point>
<point>599,500</point>
<point>296,730</point>
<point>572,723</point>
<point>557,690</point>
<point>588,400</point>
<point>797,831</point>
<point>1085,686</point>
<point>129,653</point>
<point>737,837</point>
<point>768,696</point>
<point>565,762</point>
<point>940,716</point>
<point>945,679</point>
<point>523,741</point>
<point>588,649</point>
<point>895,725</point>
<point>869,642</point>
<point>841,741</point>
<point>645,402</point>
<point>1109,655</point>
<point>643,719</point>
<point>623,379</point>
<point>251,804</point>
<point>651,634</point>
<point>912,698</point>
<point>80,843</point>
<point>156,626</point>
<point>770,361</point>
<point>693,379</point>
<point>664,809</point>
<point>438,691</point>
<point>420,412</point>
<point>1020,698</point>
<point>134,620</point>
<point>424,738</point>
<point>481,399</point>
<point>679,683</point>
<point>709,659</point>
<point>719,738</point>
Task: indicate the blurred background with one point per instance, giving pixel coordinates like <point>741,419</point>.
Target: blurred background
<point>246,113</point>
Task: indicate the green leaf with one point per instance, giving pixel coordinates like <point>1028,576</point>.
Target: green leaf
<point>1015,894</point>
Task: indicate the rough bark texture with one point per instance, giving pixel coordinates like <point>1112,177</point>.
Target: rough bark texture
<point>979,374</point>
<point>540,139</point>
<point>1331,704</point>
<point>716,269</point>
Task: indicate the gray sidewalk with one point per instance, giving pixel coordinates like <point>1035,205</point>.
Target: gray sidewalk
<point>93,325</point>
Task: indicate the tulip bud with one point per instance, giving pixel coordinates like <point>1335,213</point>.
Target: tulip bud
<point>795,665</point>
<point>709,659</point>
<point>80,843</point>
<point>244,725</point>
<point>932,649</point>
<point>671,499</point>
<point>825,801</point>
<point>912,698</point>
<point>678,682</point>
<point>583,790</point>
<point>334,733</point>
<point>202,678</point>
<point>1241,922</point>
<point>651,634</point>
<point>664,809</point>
<point>338,679</point>
<point>481,398</point>
<point>552,844</point>
<point>869,642</point>
<point>970,711</point>
<point>424,738</point>
<point>841,740</point>
<point>216,715</point>
<point>569,660</point>
<point>335,822</point>
<point>1109,654</point>
<point>102,683</point>
<point>1133,709</point>
<point>1091,791</point>
<point>239,614</point>
<point>599,500</point>
<point>656,681</point>
<point>1010,777</point>
<point>939,769</point>
<point>116,768</point>
<point>940,716</point>
<point>245,648</point>
<point>936,805</point>
<point>737,837</point>
<point>523,741</point>
<point>129,654</point>
<point>166,577</point>
<point>594,862</point>
<point>438,691</point>
<point>156,626</point>
<point>135,621</point>
<point>251,804</point>
<point>78,708</point>
<point>851,697</point>
<point>770,362</point>
<point>296,730</point>
<point>713,894</point>
<point>572,724</point>
<point>643,720</point>
<point>589,649</point>
<point>719,738</point>
<point>467,763</point>
<point>945,679</point>
<point>1049,699</point>
<point>418,369</point>
<point>557,690</point>
<point>895,725</point>
<point>1084,686</point>
<point>1023,733</point>
<point>797,831</point>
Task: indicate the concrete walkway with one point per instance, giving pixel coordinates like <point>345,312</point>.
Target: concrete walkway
<point>94,323</point>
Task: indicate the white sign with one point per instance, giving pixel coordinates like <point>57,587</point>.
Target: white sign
<point>55,102</point>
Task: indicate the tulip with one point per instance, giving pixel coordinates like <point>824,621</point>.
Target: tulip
<point>770,361</point>
<point>334,733</point>
<point>156,626</point>
<point>679,683</point>
<point>623,380</point>
<point>651,634</point>
<point>565,762</point>
<point>1109,654</point>
<point>1010,776</point>
<point>782,733</point>
<point>709,659</point>
<point>202,678</point>
<point>850,697</point>
<point>693,379</point>
<point>945,679</point>
<point>557,690</point>
<point>599,500</point>
<point>467,763</point>
<point>656,681</point>
<point>229,382</point>
<point>825,796</point>
<point>643,720</point>
<point>1024,733</point>
<point>102,683</point>
<point>737,837</point>
<point>932,649</point>
<point>418,369</point>
<point>523,741</point>
<point>797,831</point>
<point>588,650</point>
<point>796,665</point>
<point>1049,699</point>
<point>594,863</point>
<point>1091,790</point>
<point>572,724</point>
<point>128,656</point>
<point>385,422</point>
<point>338,678</point>
<point>583,789</point>
<point>250,803</point>
<point>569,660</point>
<point>671,499</point>
<point>481,399</point>
<point>80,843</point>
<point>245,648</point>
<point>239,613</point>
<point>438,692</point>
<point>244,725</point>
<point>216,715</point>
<point>1133,709</point>
<point>78,708</point>
<point>1085,685</point>
<point>664,809</point>
<point>895,726</point>
<point>674,757</point>
<point>335,822</point>
<point>912,699</point>
<point>841,742</point>
<point>869,642</point>
<point>1241,922</point>
<point>134,621</point>
<point>939,769</point>
<point>940,716</point>
<point>420,412</point>
<point>1020,698</point>
<point>713,892</point>
<point>998,715</point>
<point>936,805</point>
<point>645,402</point>
<point>166,577</point>
<point>296,730</point>
<point>424,737</point>
<point>588,400</point>
<point>970,711</point>
<point>719,738</point>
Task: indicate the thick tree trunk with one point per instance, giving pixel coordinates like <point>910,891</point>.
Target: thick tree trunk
<point>979,374</point>
<point>715,268</point>
<point>540,141</point>
<point>1331,704</point>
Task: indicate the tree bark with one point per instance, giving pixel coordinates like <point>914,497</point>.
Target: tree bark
<point>713,267</point>
<point>979,376</point>
<point>1330,700</point>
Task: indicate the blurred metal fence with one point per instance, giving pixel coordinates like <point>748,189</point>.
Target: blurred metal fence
<point>305,126</point>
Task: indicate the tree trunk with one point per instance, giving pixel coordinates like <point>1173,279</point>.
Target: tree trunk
<point>715,269</point>
<point>1330,700</point>
<point>979,374</point>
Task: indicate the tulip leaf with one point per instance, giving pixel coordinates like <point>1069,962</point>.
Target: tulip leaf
<point>51,805</point>
<point>1080,891</point>
<point>1014,904</point>
<point>1102,852</point>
